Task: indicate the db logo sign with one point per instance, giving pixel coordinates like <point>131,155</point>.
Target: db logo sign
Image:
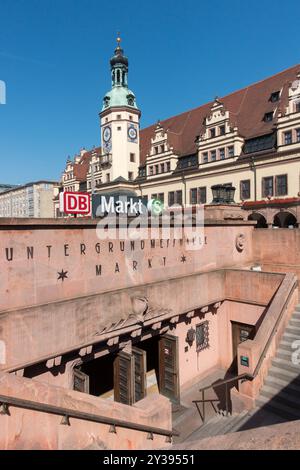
<point>75,203</point>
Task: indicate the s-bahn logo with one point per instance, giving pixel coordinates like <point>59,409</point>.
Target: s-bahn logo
<point>75,203</point>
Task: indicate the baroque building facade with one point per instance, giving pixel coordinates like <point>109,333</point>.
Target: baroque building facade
<point>249,139</point>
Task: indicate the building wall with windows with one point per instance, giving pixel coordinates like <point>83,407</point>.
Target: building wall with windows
<point>249,139</point>
<point>31,200</point>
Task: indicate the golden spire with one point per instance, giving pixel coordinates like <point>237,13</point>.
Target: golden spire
<point>118,39</point>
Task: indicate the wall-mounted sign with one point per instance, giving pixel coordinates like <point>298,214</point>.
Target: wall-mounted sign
<point>103,205</point>
<point>245,361</point>
<point>75,203</point>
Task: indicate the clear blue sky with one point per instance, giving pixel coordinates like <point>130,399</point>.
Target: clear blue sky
<point>54,58</point>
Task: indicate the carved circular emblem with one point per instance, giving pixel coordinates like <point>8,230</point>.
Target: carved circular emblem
<point>240,242</point>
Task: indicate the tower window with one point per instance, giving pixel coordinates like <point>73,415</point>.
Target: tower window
<point>162,166</point>
<point>156,169</point>
<point>130,175</point>
<point>298,134</point>
<point>222,154</point>
<point>268,117</point>
<point>119,128</point>
<point>162,148</point>
<point>222,130</point>
<point>213,155</point>
<point>168,165</point>
<point>130,118</point>
<point>274,96</point>
<point>156,150</point>
<point>151,170</point>
<point>212,132</point>
<point>132,157</point>
<point>297,107</point>
<point>107,177</point>
<point>119,116</point>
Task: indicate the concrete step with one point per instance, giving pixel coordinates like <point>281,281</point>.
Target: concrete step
<point>288,395</point>
<point>280,384</point>
<point>290,337</point>
<point>286,364</point>
<point>284,374</point>
<point>284,353</point>
<point>286,345</point>
<point>236,422</point>
<point>294,330</point>
<point>220,425</point>
<point>278,408</point>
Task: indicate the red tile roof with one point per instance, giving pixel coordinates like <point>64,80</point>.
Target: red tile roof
<point>82,167</point>
<point>247,108</point>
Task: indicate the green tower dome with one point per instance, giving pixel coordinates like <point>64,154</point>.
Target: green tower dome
<point>120,94</point>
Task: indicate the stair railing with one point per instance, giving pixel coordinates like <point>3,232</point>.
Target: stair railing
<point>225,382</point>
<point>67,413</point>
<point>289,277</point>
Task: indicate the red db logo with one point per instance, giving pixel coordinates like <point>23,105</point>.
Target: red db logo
<point>75,203</point>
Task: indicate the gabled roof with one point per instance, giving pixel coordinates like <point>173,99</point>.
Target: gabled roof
<point>81,168</point>
<point>247,108</point>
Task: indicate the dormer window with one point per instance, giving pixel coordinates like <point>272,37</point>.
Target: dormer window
<point>274,96</point>
<point>222,130</point>
<point>268,117</point>
<point>106,101</point>
<point>212,132</point>
<point>130,100</point>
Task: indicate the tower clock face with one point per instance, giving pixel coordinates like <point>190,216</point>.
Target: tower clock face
<point>106,134</point>
<point>132,133</point>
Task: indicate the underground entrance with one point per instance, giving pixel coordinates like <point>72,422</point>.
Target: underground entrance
<point>127,376</point>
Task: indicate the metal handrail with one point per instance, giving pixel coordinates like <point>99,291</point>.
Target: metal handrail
<point>244,376</point>
<point>68,413</point>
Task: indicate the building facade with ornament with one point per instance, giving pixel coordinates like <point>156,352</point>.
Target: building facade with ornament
<point>249,139</point>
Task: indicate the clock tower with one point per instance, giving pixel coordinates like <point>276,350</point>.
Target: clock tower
<point>120,118</point>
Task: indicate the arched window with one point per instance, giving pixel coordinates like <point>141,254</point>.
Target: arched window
<point>261,221</point>
<point>284,220</point>
<point>118,76</point>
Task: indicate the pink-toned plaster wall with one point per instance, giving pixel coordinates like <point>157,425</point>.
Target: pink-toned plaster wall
<point>234,312</point>
<point>25,429</point>
<point>277,249</point>
<point>37,256</point>
<point>191,362</point>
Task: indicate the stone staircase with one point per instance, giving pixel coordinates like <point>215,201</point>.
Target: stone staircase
<point>279,398</point>
<point>281,391</point>
<point>219,425</point>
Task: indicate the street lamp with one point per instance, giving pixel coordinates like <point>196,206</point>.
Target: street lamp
<point>230,190</point>
<point>218,191</point>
